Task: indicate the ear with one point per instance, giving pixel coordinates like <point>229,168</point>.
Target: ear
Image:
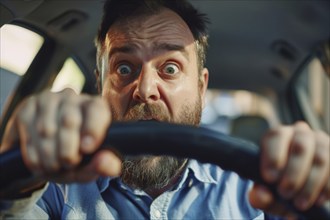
<point>98,81</point>
<point>203,83</point>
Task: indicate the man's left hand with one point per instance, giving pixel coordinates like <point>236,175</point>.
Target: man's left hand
<point>297,160</point>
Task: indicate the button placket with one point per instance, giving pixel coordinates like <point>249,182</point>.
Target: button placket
<point>159,206</point>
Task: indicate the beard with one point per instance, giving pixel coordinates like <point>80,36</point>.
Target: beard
<point>155,172</point>
<point>150,172</point>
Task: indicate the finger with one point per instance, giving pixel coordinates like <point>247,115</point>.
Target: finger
<point>325,194</point>
<point>96,121</point>
<point>28,138</point>
<point>47,155</point>
<point>46,126</point>
<point>274,152</point>
<point>299,162</point>
<point>47,105</point>
<point>319,174</point>
<point>261,198</point>
<point>104,163</point>
<point>10,137</point>
<point>68,140</point>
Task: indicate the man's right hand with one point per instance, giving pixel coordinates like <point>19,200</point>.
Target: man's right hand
<point>55,131</point>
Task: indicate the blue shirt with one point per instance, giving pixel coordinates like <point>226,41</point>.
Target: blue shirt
<point>204,192</point>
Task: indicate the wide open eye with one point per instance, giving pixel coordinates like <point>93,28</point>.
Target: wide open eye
<point>124,69</point>
<point>170,69</point>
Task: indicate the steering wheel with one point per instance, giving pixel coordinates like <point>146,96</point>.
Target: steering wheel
<point>156,138</point>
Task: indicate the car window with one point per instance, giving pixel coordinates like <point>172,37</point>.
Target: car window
<point>312,89</point>
<point>70,76</point>
<point>240,113</point>
<point>19,46</point>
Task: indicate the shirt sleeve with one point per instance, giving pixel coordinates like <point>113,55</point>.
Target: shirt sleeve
<point>25,208</point>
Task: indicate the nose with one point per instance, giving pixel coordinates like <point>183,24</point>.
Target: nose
<point>147,86</point>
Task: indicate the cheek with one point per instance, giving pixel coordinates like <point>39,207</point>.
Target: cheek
<point>118,99</point>
<point>182,95</point>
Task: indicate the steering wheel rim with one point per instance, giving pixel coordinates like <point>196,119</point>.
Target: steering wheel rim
<point>156,138</point>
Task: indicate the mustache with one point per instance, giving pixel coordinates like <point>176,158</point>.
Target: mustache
<point>147,111</point>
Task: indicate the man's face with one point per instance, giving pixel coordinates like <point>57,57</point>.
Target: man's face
<point>151,73</point>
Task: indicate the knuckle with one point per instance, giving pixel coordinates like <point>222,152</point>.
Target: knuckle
<point>301,125</point>
<point>98,104</point>
<point>68,91</point>
<point>70,118</point>
<point>46,151</point>
<point>99,101</point>
<point>273,136</point>
<point>46,129</point>
<point>45,95</point>
<point>25,112</point>
<point>68,121</point>
<point>289,184</point>
<point>97,114</point>
<point>45,98</point>
<point>68,159</point>
<point>304,132</point>
<point>274,163</point>
<point>303,142</point>
<point>321,159</point>
<point>285,129</point>
<point>299,148</point>
<point>280,129</point>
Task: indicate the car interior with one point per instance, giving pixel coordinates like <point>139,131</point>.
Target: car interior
<point>269,61</point>
<point>255,46</point>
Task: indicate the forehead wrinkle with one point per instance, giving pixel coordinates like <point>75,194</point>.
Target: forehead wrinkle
<point>156,47</point>
<point>159,33</point>
<point>127,48</point>
<point>166,29</point>
<point>149,26</point>
<point>170,47</point>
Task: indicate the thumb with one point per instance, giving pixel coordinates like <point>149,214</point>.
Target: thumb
<point>106,163</point>
<point>260,197</point>
<point>10,136</point>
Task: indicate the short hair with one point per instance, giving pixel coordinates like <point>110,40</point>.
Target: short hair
<point>115,10</point>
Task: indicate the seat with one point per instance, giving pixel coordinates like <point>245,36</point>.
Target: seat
<point>249,127</point>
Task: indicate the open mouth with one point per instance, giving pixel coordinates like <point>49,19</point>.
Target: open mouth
<point>151,120</point>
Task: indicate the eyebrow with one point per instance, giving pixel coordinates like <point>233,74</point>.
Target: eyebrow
<point>131,48</point>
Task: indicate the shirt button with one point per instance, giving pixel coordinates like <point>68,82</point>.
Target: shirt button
<point>157,214</point>
<point>190,183</point>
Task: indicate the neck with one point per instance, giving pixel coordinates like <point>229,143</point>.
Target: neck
<point>154,193</point>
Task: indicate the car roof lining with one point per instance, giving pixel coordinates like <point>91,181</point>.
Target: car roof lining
<point>242,36</point>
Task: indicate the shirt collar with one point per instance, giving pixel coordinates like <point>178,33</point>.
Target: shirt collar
<point>103,183</point>
<point>203,172</point>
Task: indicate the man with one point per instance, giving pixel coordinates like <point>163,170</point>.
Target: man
<point>150,66</point>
